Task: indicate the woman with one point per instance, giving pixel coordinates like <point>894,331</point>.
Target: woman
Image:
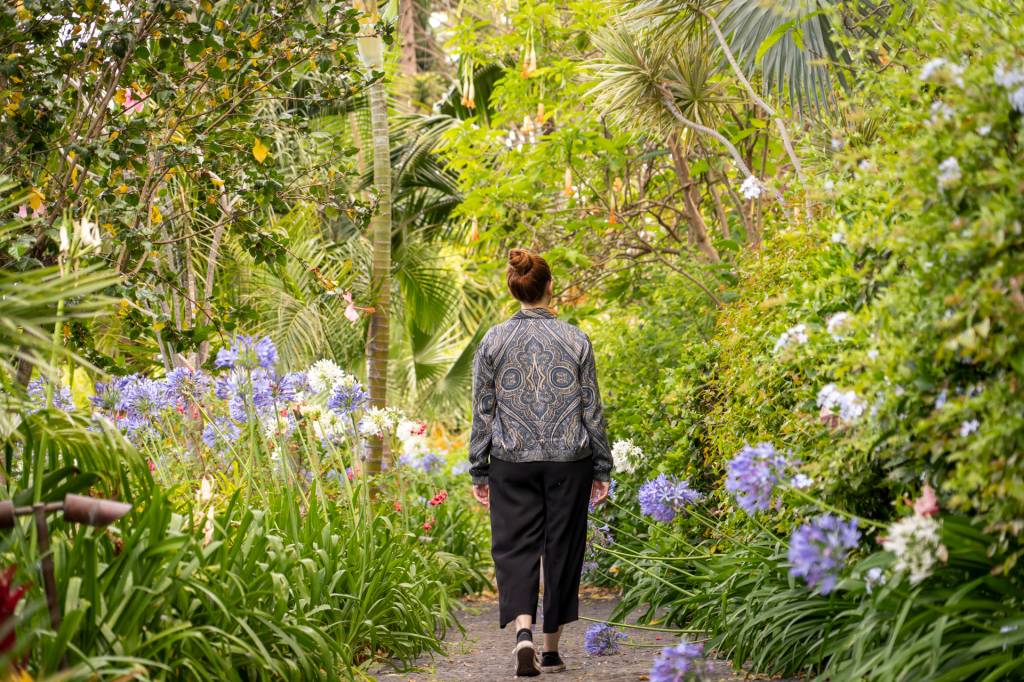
<point>539,454</point>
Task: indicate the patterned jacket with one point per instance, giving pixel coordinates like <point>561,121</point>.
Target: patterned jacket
<point>535,396</point>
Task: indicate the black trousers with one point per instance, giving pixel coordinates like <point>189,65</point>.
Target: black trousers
<point>539,509</point>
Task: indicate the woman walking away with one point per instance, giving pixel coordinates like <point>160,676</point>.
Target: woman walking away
<point>539,455</point>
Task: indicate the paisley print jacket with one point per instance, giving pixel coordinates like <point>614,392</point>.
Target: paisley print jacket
<point>535,396</point>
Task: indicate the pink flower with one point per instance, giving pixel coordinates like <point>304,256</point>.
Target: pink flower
<point>152,465</point>
<point>439,498</point>
<point>928,503</point>
<point>23,211</point>
<point>350,310</point>
<point>398,506</point>
<point>132,105</point>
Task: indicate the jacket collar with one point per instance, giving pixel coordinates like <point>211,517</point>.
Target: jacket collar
<point>533,314</point>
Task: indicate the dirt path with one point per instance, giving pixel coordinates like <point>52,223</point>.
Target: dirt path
<point>484,654</point>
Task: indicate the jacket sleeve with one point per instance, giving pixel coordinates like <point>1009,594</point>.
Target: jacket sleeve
<point>593,415</point>
<point>483,415</point>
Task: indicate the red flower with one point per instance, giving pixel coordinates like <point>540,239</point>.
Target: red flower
<point>427,525</point>
<point>9,598</point>
<point>398,506</point>
<point>152,465</point>
<point>439,498</point>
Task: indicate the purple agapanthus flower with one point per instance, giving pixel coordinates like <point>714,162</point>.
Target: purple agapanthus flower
<point>293,386</point>
<point>61,396</point>
<point>245,353</point>
<point>461,467</point>
<point>753,474</point>
<point>110,396</point>
<point>240,388</point>
<point>144,400</point>
<point>346,399</point>
<point>597,536</point>
<point>220,434</point>
<point>601,639</point>
<point>187,386</point>
<point>662,498</point>
<point>818,550</point>
<point>683,662</point>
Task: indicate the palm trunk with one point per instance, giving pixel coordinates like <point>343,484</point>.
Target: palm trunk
<point>378,340</point>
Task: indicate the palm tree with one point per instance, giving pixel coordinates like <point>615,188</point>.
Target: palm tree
<point>371,51</point>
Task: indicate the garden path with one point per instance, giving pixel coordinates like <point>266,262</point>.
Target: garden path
<point>483,654</point>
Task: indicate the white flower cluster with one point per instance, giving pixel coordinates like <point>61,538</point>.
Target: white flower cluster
<point>412,435</point>
<point>1012,80</point>
<point>941,112</point>
<point>836,323</point>
<point>379,421</point>
<point>796,334</point>
<point>327,424</point>
<point>949,172</point>
<point>916,542</point>
<point>626,456</point>
<point>751,188</point>
<point>968,427</point>
<point>325,375</point>
<point>940,69</point>
<point>846,404</point>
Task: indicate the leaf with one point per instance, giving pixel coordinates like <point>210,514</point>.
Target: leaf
<point>155,216</point>
<point>259,150</point>
<point>774,37</point>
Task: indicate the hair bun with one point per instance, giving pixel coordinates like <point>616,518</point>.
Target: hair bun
<point>520,260</point>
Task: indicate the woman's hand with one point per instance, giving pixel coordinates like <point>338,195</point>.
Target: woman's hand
<point>482,493</point>
<point>599,492</point>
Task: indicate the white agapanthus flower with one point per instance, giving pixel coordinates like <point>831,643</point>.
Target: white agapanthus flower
<point>916,542</point>
<point>797,334</point>
<point>324,375</point>
<point>968,427</point>
<point>847,405</point>
<point>328,424</point>
<point>801,481</point>
<point>626,456</point>
<point>378,421</point>
<point>88,234</point>
<point>835,325</point>
<point>949,172</point>
<point>941,69</point>
<point>751,188</point>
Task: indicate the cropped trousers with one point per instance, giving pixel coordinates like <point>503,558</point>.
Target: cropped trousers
<point>539,510</point>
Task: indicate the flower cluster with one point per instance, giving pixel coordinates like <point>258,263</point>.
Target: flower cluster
<point>664,497</point>
<point>247,353</point>
<point>796,334</point>
<point>836,323</point>
<point>597,536</point>
<point>939,70</point>
<point>61,398</point>
<point>626,456</point>
<point>949,173</point>
<point>1012,80</point>
<point>601,639</point>
<point>753,474</point>
<point>846,405</point>
<point>751,188</point>
<point>916,541</point>
<point>818,550</point>
<point>683,662</point>
<point>438,498</point>
<point>379,421</point>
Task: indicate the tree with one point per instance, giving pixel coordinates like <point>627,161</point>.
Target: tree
<point>371,51</point>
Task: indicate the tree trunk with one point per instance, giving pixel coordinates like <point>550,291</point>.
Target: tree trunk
<point>371,50</point>
<point>698,229</point>
<point>407,63</point>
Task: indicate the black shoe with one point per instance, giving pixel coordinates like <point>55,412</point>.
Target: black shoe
<point>551,662</point>
<point>526,659</point>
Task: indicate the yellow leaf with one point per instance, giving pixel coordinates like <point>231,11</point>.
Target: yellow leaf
<point>223,63</point>
<point>158,326</point>
<point>155,216</point>
<point>23,13</point>
<point>255,40</point>
<point>114,135</point>
<point>35,199</point>
<point>259,150</point>
<point>219,25</point>
<point>122,189</point>
<point>74,175</point>
<point>225,93</point>
<point>207,7</point>
<point>119,96</point>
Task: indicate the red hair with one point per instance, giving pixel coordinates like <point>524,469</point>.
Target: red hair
<point>528,276</point>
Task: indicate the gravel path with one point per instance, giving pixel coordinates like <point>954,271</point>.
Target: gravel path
<point>484,654</point>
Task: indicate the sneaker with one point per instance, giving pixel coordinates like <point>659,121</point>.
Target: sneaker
<point>527,660</point>
<point>551,662</point>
